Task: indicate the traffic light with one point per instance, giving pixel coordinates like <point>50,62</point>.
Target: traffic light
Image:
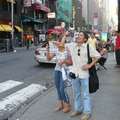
<point>4,2</point>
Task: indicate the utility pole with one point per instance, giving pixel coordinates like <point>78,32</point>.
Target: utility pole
<point>12,14</point>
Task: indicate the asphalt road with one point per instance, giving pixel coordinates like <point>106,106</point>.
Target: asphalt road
<point>22,79</point>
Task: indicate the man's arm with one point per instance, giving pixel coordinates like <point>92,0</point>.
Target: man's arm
<point>86,67</point>
<point>64,39</point>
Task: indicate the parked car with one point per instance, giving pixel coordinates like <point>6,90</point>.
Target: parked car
<point>40,53</point>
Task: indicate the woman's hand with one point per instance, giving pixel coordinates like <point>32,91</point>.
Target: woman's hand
<point>61,62</point>
<point>47,47</point>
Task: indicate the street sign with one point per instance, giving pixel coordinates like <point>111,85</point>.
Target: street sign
<point>95,27</point>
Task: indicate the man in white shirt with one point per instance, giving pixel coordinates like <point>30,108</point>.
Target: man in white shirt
<point>79,56</point>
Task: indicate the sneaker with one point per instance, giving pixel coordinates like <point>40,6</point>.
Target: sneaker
<point>75,113</point>
<point>70,29</point>
<point>86,116</point>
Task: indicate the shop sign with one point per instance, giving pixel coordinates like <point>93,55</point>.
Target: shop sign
<point>38,1</point>
<point>51,15</point>
<point>27,3</point>
<point>57,27</point>
<point>41,7</point>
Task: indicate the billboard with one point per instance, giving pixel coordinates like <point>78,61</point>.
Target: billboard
<point>104,36</point>
<point>27,3</point>
<point>64,10</point>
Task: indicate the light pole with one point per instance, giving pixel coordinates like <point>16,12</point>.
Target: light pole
<point>12,13</point>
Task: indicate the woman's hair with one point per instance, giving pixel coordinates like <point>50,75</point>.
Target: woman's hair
<point>60,38</point>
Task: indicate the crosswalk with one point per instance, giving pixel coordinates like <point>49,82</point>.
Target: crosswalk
<point>15,99</point>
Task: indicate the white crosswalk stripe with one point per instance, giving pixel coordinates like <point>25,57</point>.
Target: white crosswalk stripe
<point>8,85</point>
<point>15,99</point>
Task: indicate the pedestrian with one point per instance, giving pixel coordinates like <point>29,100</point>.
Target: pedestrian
<point>63,59</point>
<point>80,68</point>
<point>92,40</point>
<point>27,43</point>
<point>104,55</point>
<point>117,49</point>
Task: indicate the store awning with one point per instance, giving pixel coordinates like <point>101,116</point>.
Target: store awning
<point>19,29</point>
<point>41,7</point>
<point>29,19</point>
<point>11,1</point>
<point>7,28</point>
<point>1,28</point>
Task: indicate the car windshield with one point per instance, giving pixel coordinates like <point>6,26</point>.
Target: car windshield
<point>52,44</point>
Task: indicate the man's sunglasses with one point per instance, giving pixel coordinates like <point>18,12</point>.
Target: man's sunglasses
<point>78,52</point>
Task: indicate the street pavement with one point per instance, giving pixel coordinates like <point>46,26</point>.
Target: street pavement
<point>20,73</point>
<point>105,102</point>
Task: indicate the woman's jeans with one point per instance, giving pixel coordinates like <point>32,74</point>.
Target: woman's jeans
<point>62,94</point>
<point>78,86</point>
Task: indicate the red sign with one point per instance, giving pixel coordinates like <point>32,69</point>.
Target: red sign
<point>55,31</point>
<point>27,3</point>
<point>95,15</point>
<point>10,23</point>
<point>41,7</point>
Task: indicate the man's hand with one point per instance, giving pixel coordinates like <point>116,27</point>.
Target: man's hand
<point>86,67</point>
<point>68,33</point>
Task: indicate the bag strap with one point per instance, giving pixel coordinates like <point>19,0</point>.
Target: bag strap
<point>88,54</point>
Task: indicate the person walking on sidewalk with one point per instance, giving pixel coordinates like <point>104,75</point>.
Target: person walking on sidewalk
<point>63,60</point>
<point>92,40</point>
<point>117,49</point>
<point>79,56</point>
<point>27,43</point>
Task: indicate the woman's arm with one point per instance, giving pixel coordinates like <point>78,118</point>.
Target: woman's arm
<point>103,52</point>
<point>49,57</point>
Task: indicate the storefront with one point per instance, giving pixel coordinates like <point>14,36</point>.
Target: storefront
<point>41,13</point>
<point>30,29</point>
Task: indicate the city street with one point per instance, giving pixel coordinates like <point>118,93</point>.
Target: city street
<point>20,74</point>
<point>22,79</point>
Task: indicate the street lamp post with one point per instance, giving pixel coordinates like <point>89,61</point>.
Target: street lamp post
<point>12,13</point>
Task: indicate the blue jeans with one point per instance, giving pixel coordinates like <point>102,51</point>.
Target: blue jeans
<point>62,94</point>
<point>78,85</point>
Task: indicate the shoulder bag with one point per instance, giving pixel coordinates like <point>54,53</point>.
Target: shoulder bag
<point>93,79</point>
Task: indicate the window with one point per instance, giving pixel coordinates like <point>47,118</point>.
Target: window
<point>4,5</point>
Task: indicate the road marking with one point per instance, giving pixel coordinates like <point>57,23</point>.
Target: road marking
<point>13,100</point>
<point>8,85</point>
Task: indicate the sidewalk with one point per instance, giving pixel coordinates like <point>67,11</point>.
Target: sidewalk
<point>105,102</point>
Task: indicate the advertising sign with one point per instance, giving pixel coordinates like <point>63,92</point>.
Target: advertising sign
<point>64,10</point>
<point>42,37</point>
<point>104,36</point>
<point>27,3</point>
<point>38,1</point>
<point>51,15</point>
